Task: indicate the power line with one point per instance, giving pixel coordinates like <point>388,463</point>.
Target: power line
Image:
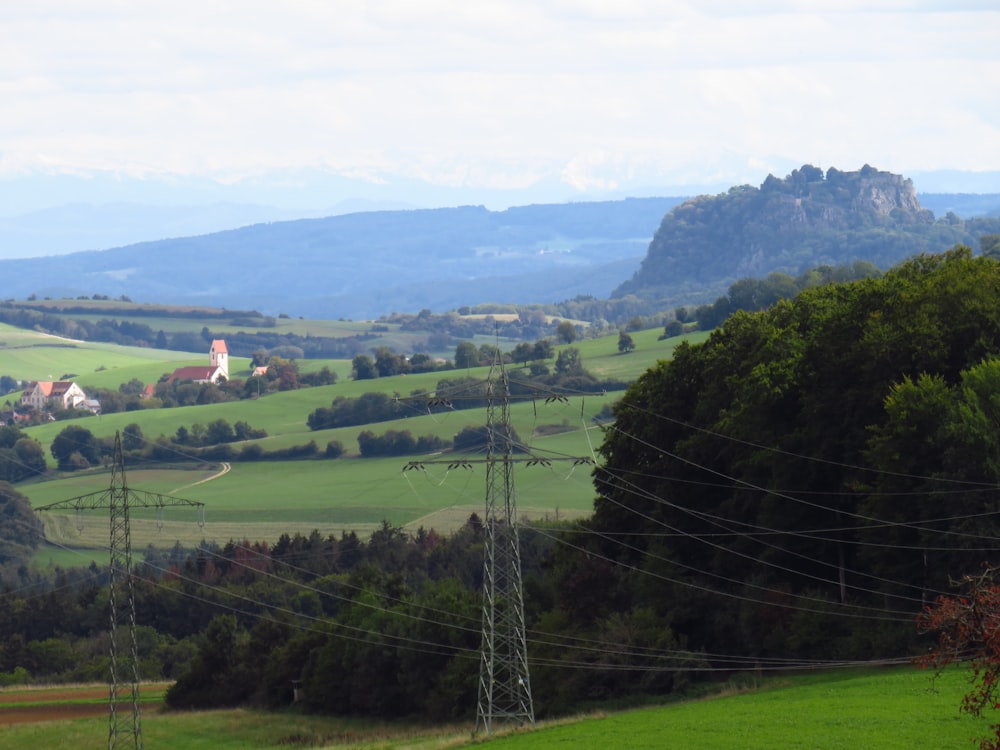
<point>124,650</point>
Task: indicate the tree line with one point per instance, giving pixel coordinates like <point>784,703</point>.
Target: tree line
<point>796,489</point>
<point>813,475</point>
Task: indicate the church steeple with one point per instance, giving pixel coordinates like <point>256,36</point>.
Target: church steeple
<point>218,356</point>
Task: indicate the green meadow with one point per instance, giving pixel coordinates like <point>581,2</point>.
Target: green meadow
<point>888,709</point>
<point>260,501</point>
<point>29,355</point>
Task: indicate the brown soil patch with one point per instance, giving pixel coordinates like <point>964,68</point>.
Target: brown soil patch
<point>53,695</point>
<point>30,714</point>
<point>53,704</point>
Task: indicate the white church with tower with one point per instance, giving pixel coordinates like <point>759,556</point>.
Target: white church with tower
<point>216,372</point>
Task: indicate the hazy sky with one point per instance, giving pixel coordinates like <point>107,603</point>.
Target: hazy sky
<point>597,94</point>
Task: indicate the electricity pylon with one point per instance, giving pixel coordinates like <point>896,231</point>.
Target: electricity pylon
<point>504,685</point>
<point>504,680</point>
<point>124,674</point>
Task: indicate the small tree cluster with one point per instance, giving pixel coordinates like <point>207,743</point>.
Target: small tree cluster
<point>397,443</point>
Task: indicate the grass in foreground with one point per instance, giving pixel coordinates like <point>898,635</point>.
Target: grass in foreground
<point>235,730</point>
<point>890,708</point>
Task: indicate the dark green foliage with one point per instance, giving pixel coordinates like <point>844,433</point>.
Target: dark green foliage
<point>132,437</point>
<point>751,295</point>
<point>988,243</point>
<point>397,443</point>
<point>21,457</point>
<point>569,362</point>
<point>219,676</point>
<point>523,353</point>
<point>189,393</point>
<point>466,355</point>
<point>363,368</point>
<point>566,332</point>
<point>625,342</point>
<point>8,384</point>
<point>75,448</point>
<point>369,611</point>
<point>770,482</point>
<point>671,329</point>
<point>347,412</point>
<point>543,349</point>
<point>20,529</point>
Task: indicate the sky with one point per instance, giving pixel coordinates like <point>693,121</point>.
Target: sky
<point>573,98</point>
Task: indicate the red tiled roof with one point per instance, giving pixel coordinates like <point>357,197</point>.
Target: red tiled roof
<point>194,372</point>
<point>59,388</point>
<point>220,346</point>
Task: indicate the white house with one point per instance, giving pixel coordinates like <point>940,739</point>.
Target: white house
<point>44,394</point>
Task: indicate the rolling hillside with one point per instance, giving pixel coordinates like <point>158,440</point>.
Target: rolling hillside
<point>368,264</point>
<point>263,500</point>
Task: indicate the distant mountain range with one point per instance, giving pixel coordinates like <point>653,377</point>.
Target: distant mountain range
<point>367,264</point>
<point>364,265</point>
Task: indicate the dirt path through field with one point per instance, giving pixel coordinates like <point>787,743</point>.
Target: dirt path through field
<point>226,467</point>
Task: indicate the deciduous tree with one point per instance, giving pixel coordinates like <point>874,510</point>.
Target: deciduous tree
<point>75,440</point>
<point>363,368</point>
<point>466,355</point>
<point>625,342</point>
<point>967,627</point>
<point>566,332</point>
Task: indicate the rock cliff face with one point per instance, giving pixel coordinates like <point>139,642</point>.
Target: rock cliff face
<point>809,218</point>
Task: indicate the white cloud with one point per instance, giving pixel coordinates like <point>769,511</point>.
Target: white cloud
<point>500,93</point>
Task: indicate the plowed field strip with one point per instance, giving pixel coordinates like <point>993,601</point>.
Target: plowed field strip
<point>56,704</point>
<point>50,712</point>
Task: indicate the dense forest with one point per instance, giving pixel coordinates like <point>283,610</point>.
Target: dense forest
<point>801,484</point>
<point>792,492</point>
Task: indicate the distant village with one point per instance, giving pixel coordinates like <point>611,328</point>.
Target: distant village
<point>43,399</point>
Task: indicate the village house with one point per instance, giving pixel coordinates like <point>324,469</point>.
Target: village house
<point>47,394</point>
<point>217,370</point>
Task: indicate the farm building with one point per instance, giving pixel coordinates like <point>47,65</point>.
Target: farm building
<point>45,394</point>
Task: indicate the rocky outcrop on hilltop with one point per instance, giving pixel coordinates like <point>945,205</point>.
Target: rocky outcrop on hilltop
<point>808,219</point>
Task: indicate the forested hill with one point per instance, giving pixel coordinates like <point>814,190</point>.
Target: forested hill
<point>806,220</point>
<point>369,264</point>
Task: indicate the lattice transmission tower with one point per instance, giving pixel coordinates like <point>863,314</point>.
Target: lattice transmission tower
<point>504,695</point>
<point>504,681</point>
<point>125,718</point>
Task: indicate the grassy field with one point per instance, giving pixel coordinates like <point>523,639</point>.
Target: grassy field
<point>263,500</point>
<point>886,709</point>
<point>284,414</point>
<point>260,501</point>
<point>898,708</point>
<point>29,355</point>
